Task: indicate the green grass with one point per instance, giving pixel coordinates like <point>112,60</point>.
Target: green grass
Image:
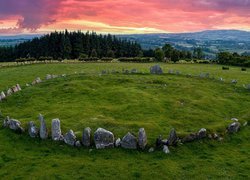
<point>123,103</point>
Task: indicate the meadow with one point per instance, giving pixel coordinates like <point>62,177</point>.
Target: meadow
<point>121,103</point>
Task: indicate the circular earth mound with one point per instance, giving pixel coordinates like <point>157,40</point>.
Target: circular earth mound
<point>122,103</point>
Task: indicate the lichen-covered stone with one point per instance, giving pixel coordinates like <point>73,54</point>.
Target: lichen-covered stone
<point>70,138</point>
<point>86,137</point>
<point>142,138</point>
<point>103,139</point>
<point>129,141</point>
<point>172,139</point>
<point>43,128</point>
<point>33,131</point>
<point>56,130</point>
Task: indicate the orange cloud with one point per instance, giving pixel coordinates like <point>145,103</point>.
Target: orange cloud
<point>127,16</point>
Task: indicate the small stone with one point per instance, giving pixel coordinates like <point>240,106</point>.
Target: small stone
<point>234,119</point>
<point>56,130</point>
<point>14,89</point>
<point>170,71</point>
<point>48,76</point>
<point>189,138</point>
<point>220,139</point>
<point>151,150</point>
<point>78,144</point>
<point>234,127</point>
<point>142,138</point>
<point>245,123</point>
<point>103,139</point>
<point>234,81</point>
<point>165,149</point>
<point>70,138</point>
<point>86,137</point>
<point>172,139</point>
<point>33,131</point>
<point>118,142</point>
<point>129,141</point>
<point>90,150</point>
<point>134,71</point>
<point>202,133</point>
<point>43,128</point>
<point>156,69</point>
<point>215,136</point>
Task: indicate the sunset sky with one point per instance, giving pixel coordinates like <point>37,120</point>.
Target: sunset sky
<point>123,16</point>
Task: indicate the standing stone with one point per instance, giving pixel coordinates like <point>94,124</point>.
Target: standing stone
<point>43,129</point>
<point>3,96</point>
<point>156,69</point>
<point>202,133</point>
<point>70,138</point>
<point>14,89</point>
<point>234,127</point>
<point>13,124</point>
<point>33,131</point>
<point>172,139</point>
<point>78,144</point>
<point>18,87</point>
<point>158,142</point>
<point>142,138</point>
<point>171,71</point>
<point>86,137</point>
<point>9,92</point>
<point>103,139</point>
<point>165,149</point>
<point>129,141</point>
<point>234,81</point>
<point>56,130</point>
<point>134,71</point>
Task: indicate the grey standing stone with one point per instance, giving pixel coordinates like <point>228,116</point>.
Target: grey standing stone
<point>70,138</point>
<point>18,87</point>
<point>9,92</point>
<point>33,131</point>
<point>234,81</point>
<point>56,130</point>
<point>78,144</point>
<point>234,127</point>
<point>3,96</point>
<point>156,69</point>
<point>142,138</point>
<point>129,141</point>
<point>103,139</point>
<point>86,137</point>
<point>43,128</point>
<point>151,150</point>
<point>48,76</point>
<point>172,139</point>
<point>202,133</point>
<point>14,89</point>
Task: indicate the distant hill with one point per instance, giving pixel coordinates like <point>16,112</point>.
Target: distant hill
<point>212,41</point>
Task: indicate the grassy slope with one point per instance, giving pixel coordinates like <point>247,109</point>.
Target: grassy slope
<point>200,160</point>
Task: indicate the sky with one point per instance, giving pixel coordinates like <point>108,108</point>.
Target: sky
<point>123,16</point>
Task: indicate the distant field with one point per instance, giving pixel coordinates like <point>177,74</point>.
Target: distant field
<point>122,103</point>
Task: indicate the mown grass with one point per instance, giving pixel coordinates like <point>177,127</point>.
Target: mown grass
<point>124,103</point>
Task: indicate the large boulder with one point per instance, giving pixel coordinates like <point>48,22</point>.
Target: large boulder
<point>103,139</point>
<point>43,128</point>
<point>142,138</point>
<point>156,69</point>
<point>172,139</point>
<point>129,141</point>
<point>33,131</point>
<point>56,130</point>
<point>13,124</point>
<point>86,137</point>
<point>234,127</point>
<point>70,138</point>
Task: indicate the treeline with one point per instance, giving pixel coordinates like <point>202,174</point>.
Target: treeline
<point>169,53</point>
<point>71,45</point>
<point>234,59</point>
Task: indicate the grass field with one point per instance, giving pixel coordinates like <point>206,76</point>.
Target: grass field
<point>123,103</point>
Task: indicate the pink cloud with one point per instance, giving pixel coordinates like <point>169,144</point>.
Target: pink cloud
<point>164,15</point>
